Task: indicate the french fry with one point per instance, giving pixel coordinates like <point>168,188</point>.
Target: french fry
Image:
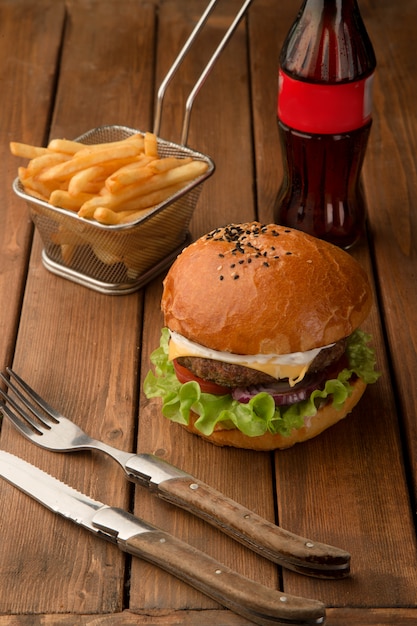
<point>65,145</point>
<point>31,191</point>
<point>140,204</point>
<point>45,161</point>
<point>110,167</point>
<point>65,236</point>
<point>129,174</point>
<point>112,183</point>
<point>68,242</point>
<point>67,252</point>
<point>168,163</point>
<point>106,256</point>
<point>26,151</point>
<point>175,176</point>
<point>115,146</point>
<point>71,147</point>
<point>151,145</point>
<point>87,211</point>
<point>152,199</point>
<point>109,217</point>
<point>83,160</point>
<point>65,200</point>
<point>33,186</point>
<point>84,179</point>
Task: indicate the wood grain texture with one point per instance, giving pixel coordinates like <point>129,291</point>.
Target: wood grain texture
<point>308,484</point>
<point>390,178</point>
<point>87,354</point>
<point>24,115</point>
<point>335,617</point>
<point>78,348</point>
<point>213,119</point>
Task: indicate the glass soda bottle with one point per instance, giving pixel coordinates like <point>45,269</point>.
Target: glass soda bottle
<point>327,65</point>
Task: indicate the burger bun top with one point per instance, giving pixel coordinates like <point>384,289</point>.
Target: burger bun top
<point>264,289</point>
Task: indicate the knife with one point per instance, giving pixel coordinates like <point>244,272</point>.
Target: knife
<point>262,605</point>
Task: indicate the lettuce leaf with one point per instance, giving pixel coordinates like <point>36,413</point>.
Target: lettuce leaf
<point>260,414</point>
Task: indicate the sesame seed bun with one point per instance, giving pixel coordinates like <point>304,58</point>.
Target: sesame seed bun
<point>263,289</point>
<point>254,289</point>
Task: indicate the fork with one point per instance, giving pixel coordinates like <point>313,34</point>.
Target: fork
<point>34,418</point>
<point>53,430</point>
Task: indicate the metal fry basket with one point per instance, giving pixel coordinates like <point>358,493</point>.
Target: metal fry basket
<point>119,259</point>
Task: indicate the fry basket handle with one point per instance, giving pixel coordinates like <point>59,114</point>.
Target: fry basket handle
<point>206,71</point>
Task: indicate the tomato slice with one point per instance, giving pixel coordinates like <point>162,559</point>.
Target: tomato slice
<point>184,376</point>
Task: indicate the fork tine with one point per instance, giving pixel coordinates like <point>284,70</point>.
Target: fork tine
<point>33,396</point>
<point>18,423</point>
<point>33,409</point>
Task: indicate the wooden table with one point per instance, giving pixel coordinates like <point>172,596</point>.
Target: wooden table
<point>68,66</point>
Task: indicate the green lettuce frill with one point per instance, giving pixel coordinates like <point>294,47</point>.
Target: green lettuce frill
<point>260,414</point>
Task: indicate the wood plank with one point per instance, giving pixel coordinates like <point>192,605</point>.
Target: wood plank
<point>361,457</point>
<point>350,484</point>
<point>84,346</point>
<point>390,184</point>
<point>267,30</point>
<point>335,617</point>
<point>24,113</point>
<point>216,130</point>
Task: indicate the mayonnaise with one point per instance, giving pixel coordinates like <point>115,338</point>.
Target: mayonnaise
<point>292,366</point>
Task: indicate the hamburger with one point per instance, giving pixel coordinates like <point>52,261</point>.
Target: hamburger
<point>261,346</point>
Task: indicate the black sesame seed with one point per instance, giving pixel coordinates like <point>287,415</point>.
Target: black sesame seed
<point>236,276</point>
<point>221,277</point>
<point>266,264</point>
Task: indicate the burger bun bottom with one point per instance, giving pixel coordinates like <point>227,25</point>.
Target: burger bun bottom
<point>325,417</point>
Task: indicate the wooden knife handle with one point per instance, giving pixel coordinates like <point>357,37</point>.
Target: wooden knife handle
<point>243,596</point>
<point>273,542</point>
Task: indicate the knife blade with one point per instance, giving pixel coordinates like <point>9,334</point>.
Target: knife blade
<point>262,605</point>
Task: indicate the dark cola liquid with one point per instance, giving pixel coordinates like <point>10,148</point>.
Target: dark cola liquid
<point>324,136</point>
<point>321,193</point>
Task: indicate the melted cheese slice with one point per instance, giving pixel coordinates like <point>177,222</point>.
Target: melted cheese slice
<point>292,366</point>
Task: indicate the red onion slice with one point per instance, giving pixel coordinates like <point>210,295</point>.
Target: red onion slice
<point>281,391</point>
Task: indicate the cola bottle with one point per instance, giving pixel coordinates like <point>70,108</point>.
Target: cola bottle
<point>327,65</point>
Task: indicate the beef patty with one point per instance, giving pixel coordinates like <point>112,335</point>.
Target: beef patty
<point>231,375</point>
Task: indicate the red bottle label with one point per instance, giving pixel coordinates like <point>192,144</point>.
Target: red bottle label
<point>324,109</point>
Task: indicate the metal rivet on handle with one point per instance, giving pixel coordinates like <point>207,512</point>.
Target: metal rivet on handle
<point>193,486</point>
<point>283,599</point>
<point>218,571</point>
<point>309,544</point>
